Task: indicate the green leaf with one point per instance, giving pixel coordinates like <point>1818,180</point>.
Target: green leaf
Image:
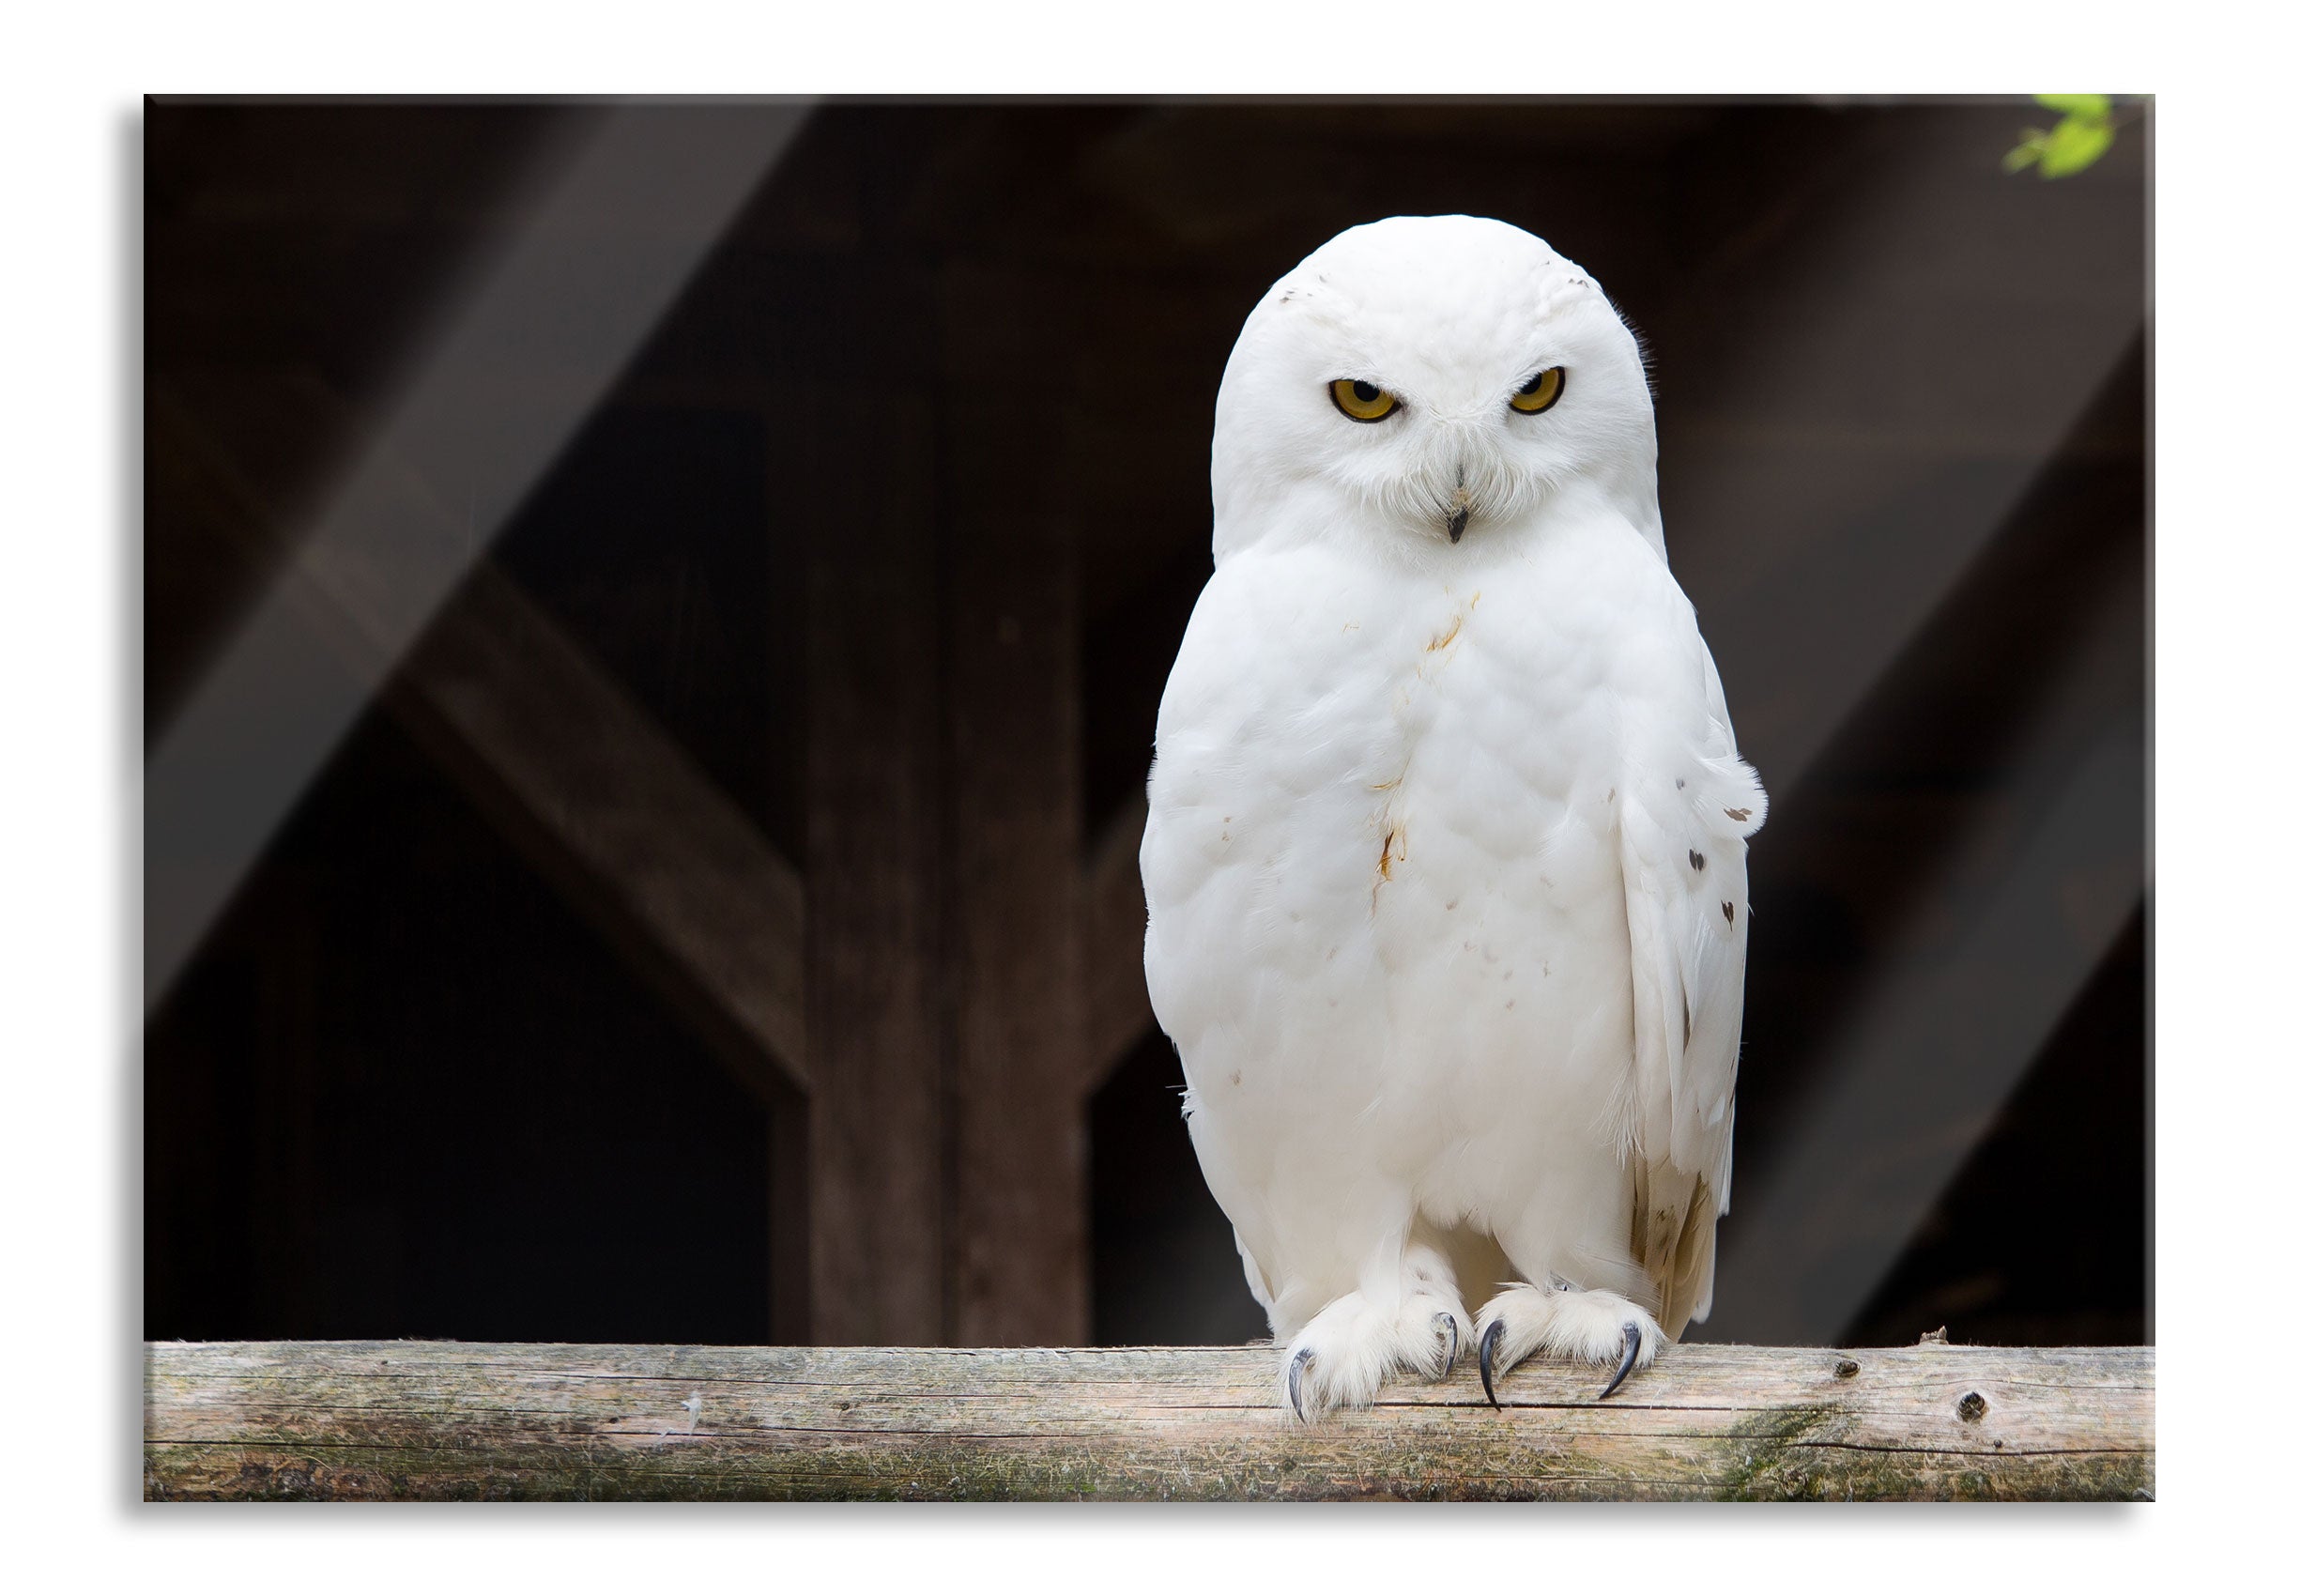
<point>2092,106</point>
<point>2025,154</point>
<point>2074,145</point>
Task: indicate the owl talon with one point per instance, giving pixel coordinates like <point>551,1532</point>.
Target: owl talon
<point>1454,1342</point>
<point>1632,1338</point>
<point>1486,1359</point>
<point>1294,1382</point>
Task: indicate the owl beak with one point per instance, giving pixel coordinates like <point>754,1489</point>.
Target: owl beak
<point>1457,517</point>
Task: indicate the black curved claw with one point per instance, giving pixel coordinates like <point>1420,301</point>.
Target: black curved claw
<point>1485,1360</point>
<point>1632,1338</point>
<point>1453,1342</point>
<point>1294,1382</point>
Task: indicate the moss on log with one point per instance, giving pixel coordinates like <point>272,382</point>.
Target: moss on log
<point>446,1420</point>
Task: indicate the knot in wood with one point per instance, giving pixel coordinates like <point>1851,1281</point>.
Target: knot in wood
<point>1971,1407</point>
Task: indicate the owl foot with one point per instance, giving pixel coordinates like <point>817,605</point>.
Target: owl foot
<point>1341,1356</point>
<point>1602,1328</point>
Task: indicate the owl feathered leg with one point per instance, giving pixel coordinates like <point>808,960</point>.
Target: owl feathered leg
<point>1558,1320</point>
<point>1406,1317</point>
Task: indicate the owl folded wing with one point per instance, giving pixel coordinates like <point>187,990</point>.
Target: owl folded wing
<point>1685,825</point>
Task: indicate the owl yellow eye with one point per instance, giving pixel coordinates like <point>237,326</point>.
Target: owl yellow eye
<point>1540,394</point>
<point>1361,401</point>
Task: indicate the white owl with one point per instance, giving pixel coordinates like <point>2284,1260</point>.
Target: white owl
<point>1446,859</point>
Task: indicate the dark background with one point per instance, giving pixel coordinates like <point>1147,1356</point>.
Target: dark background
<point>426,1075</point>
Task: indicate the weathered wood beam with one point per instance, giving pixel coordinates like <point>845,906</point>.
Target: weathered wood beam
<point>432,1420</point>
<point>554,750</point>
<point>1117,999</point>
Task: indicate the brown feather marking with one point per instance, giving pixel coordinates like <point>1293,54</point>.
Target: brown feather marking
<point>1393,852</point>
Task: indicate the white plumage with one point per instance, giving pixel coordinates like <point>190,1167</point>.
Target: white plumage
<point>1446,853</point>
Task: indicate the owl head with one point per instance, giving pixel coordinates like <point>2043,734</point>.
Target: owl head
<point>1430,382</point>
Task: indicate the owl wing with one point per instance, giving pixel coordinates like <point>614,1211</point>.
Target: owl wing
<point>1684,827</point>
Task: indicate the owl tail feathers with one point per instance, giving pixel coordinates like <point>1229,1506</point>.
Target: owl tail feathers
<point>1673,1232</point>
<point>1688,1279</point>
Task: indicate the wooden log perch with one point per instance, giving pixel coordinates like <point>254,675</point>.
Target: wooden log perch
<point>446,1420</point>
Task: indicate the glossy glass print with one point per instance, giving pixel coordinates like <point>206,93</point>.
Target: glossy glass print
<point>645,788</point>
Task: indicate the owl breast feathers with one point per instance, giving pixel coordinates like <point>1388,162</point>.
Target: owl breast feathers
<point>1446,859</point>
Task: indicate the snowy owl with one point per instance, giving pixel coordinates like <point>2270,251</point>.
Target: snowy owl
<point>1445,857</point>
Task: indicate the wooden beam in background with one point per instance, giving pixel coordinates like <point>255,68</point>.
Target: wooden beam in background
<point>558,753</point>
<point>1019,1199</point>
<point>576,775</point>
<point>1117,999</point>
<point>626,806</point>
<point>855,461</point>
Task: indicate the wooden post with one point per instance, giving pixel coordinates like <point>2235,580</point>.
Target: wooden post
<point>1019,1178</point>
<point>854,461</point>
<point>443,1421</point>
<point>1117,993</point>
